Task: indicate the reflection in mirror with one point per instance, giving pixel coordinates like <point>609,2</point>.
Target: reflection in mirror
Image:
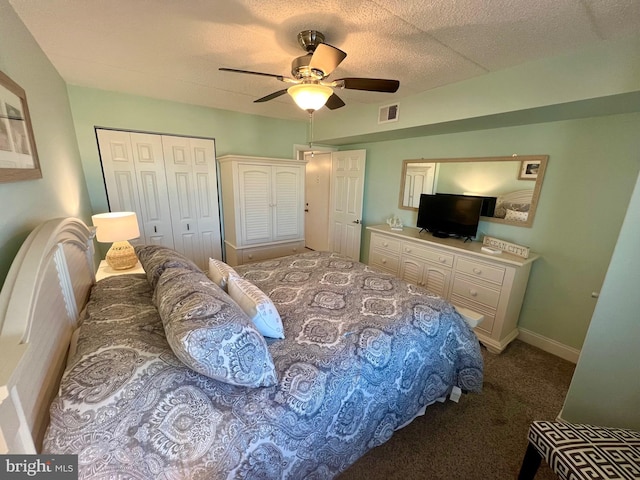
<point>418,179</point>
<point>514,183</point>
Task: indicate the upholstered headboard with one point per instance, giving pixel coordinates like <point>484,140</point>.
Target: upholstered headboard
<point>46,288</point>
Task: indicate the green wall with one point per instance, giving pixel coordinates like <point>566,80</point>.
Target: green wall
<point>62,190</point>
<point>593,164</point>
<point>485,178</point>
<point>234,132</point>
<point>605,389</point>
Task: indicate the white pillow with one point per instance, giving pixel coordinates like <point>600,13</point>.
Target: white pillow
<point>515,216</point>
<point>257,306</point>
<point>219,273</point>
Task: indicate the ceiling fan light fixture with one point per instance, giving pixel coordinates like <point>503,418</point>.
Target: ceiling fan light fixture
<point>310,96</point>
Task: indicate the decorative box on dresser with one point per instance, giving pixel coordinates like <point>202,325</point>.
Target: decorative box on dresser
<point>263,207</point>
<point>491,285</point>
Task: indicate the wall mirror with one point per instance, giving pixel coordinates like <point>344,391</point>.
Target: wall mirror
<point>515,183</point>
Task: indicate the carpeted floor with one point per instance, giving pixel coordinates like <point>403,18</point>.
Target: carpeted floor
<point>484,436</point>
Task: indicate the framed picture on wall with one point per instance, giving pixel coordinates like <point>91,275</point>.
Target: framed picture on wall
<point>529,169</point>
<point>18,155</point>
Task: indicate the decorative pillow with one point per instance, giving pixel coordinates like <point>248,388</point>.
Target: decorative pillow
<point>219,272</point>
<point>257,306</point>
<point>156,258</point>
<point>514,216</point>
<point>209,332</point>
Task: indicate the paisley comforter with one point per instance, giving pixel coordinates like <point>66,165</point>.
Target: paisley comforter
<point>364,352</point>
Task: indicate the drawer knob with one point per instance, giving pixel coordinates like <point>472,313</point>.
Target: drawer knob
<point>250,256</point>
<point>295,249</point>
<point>385,244</point>
<point>442,259</point>
<point>408,250</point>
<point>473,292</point>
<point>384,260</point>
<point>477,271</point>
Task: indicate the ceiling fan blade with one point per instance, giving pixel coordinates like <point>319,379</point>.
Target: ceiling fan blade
<point>326,58</point>
<point>371,84</point>
<point>271,96</point>
<point>235,70</point>
<point>334,101</point>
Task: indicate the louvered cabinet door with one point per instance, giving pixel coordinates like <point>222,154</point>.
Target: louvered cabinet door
<point>155,215</point>
<point>288,193</point>
<point>436,279</point>
<point>119,171</point>
<point>178,165</point>
<point>256,203</point>
<point>430,276</point>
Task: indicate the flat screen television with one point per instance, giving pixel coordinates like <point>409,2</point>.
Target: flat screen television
<point>449,215</point>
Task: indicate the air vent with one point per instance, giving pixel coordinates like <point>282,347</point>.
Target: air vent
<point>388,113</point>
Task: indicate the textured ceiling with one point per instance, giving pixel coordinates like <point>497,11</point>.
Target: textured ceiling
<point>172,49</point>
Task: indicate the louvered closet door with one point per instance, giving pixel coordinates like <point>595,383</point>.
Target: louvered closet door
<point>255,196</point>
<point>288,192</point>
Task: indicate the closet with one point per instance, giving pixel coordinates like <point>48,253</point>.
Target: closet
<point>171,184</point>
<point>263,207</point>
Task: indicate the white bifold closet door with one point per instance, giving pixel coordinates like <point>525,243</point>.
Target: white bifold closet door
<point>171,184</point>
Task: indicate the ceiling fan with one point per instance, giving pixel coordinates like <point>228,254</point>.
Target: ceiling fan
<point>310,88</point>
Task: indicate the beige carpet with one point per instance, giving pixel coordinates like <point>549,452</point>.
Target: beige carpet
<point>484,436</point>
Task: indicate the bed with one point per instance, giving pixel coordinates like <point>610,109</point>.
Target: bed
<point>515,206</point>
<point>363,354</point>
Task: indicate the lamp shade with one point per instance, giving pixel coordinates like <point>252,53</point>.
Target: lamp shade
<point>116,226</point>
<point>310,96</point>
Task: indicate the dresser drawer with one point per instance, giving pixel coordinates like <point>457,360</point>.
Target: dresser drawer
<point>435,256</point>
<point>385,243</point>
<point>480,270</point>
<point>486,325</point>
<point>384,260</point>
<point>475,292</point>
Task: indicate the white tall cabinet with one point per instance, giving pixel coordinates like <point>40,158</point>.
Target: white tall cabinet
<point>263,207</point>
<point>171,184</point>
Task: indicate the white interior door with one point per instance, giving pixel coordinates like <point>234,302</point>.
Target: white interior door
<point>118,168</point>
<point>317,200</point>
<point>347,190</point>
<point>155,216</point>
<point>180,180</point>
<point>133,168</point>
<point>206,192</point>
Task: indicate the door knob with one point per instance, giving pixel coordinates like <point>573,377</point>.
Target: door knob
<point>356,221</point>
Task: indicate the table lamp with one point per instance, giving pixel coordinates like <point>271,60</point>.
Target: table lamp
<point>118,227</point>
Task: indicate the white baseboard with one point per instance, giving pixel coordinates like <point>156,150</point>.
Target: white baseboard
<point>548,345</point>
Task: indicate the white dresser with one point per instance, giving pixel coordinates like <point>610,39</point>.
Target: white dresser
<point>263,207</point>
<point>492,285</point>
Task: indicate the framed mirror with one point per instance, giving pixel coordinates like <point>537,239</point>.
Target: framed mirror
<point>511,184</point>
<point>18,156</point>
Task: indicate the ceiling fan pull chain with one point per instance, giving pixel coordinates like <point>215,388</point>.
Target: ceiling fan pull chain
<point>311,130</point>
